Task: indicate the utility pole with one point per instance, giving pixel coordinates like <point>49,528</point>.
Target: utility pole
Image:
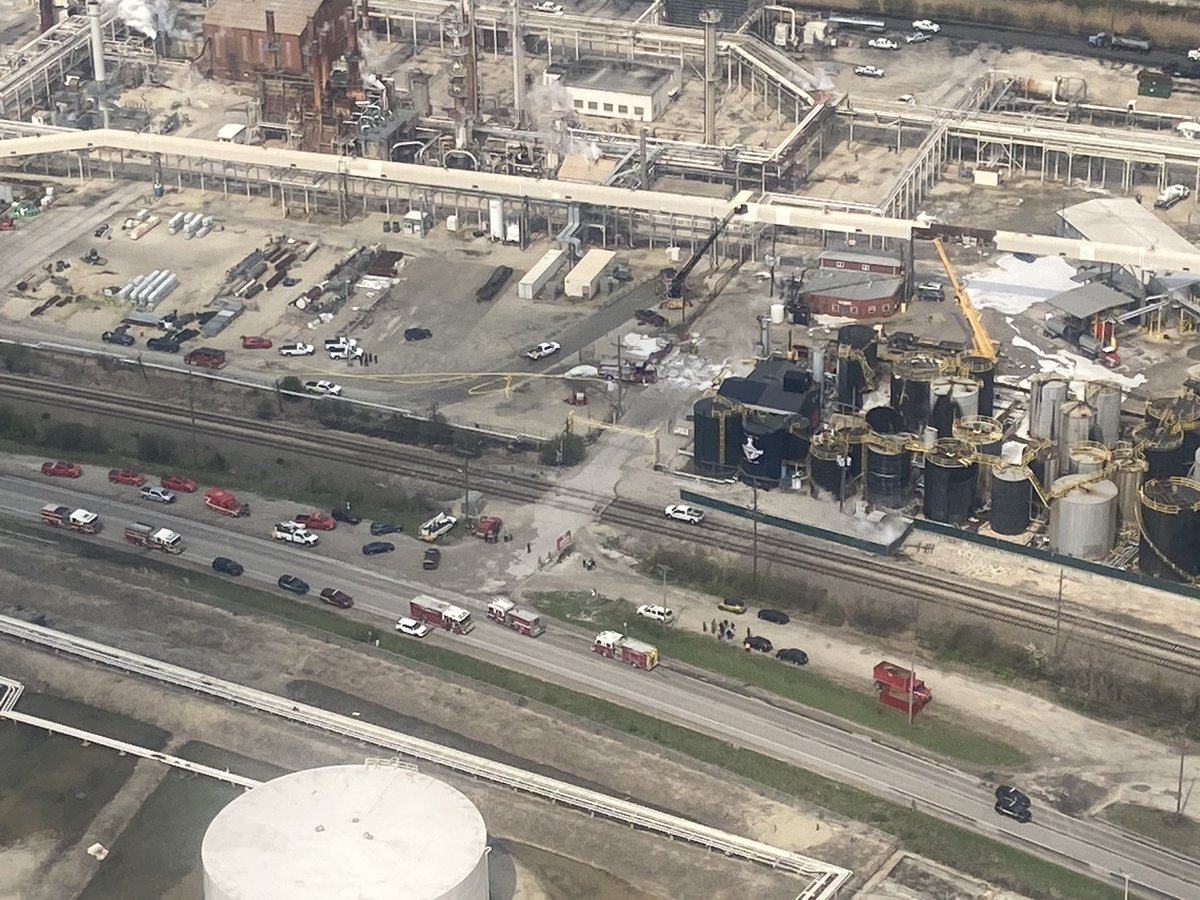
<point>912,683</point>
<point>1062,575</point>
<point>754,488</point>
<point>467,487</point>
<point>664,569</point>
<point>1182,757</point>
<point>192,409</point>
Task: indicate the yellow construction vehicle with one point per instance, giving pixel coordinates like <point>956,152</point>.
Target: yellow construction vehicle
<point>983,344</point>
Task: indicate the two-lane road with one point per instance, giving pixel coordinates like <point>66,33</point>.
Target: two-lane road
<point>562,656</point>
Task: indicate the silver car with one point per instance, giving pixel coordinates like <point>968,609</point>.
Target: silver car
<point>157,494</point>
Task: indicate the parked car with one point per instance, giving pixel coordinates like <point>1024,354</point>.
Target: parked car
<point>376,547</point>
<point>774,616</point>
<point>317,521</point>
<point>657,613</point>
<point>157,494</point>
<point>542,350</point>
<point>417,334</point>
<point>431,559</point>
<point>339,342</point>
<point>882,43</point>
<point>227,566</point>
<point>869,71</point>
<point>119,336</point>
<point>178,483</point>
<point>917,37</point>
<point>294,535</point>
<point>548,7</point>
<point>297,349</point>
<point>124,476</point>
<point>651,318</point>
<point>931,290</point>
<point>792,655</point>
<point>380,528</point>
<point>337,598</point>
<point>293,584</point>
<point>61,469</point>
<point>684,513</point>
<point>346,515</point>
<point>347,351</point>
<point>926,26</point>
<point>290,282</point>
<point>731,605</point>
<point>411,627</point>
<point>1008,794</point>
<point>324,387</point>
<point>255,342</point>
<point>759,643</point>
<point>100,232</point>
<point>163,344</point>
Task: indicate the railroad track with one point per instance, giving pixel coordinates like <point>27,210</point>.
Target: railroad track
<point>847,567</point>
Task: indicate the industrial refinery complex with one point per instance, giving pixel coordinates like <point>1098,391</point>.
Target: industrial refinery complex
<point>499,438</point>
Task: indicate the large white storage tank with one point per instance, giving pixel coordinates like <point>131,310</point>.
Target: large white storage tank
<point>364,831</point>
<point>1083,521</point>
<point>496,220</point>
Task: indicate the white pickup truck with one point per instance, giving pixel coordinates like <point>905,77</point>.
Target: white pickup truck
<point>294,533</point>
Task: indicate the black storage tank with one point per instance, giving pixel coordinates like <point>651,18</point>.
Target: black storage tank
<point>885,420</point>
<point>982,370</point>
<point>943,414</point>
<point>912,396</point>
<point>717,437</point>
<point>827,455</point>
<point>764,439</point>
<point>950,478</point>
<point>1012,500</point>
<point>1169,514</point>
<point>1163,449</point>
<point>889,473</point>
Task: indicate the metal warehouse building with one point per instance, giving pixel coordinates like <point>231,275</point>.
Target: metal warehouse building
<point>616,89</point>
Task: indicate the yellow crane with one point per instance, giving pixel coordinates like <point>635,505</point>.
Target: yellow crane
<point>983,344</point>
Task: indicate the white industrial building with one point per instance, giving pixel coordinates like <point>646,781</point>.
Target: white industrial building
<point>1120,220</point>
<point>615,89</point>
<point>370,832</point>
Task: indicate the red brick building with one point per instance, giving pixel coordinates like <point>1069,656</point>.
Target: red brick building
<point>875,262</point>
<point>296,37</point>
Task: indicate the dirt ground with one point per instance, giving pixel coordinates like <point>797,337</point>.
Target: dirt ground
<point>1075,762</point>
<point>269,657</point>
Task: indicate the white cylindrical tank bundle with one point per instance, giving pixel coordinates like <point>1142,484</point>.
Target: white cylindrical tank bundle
<point>163,290</point>
<point>496,220</point>
<point>388,832</point>
<point>1083,521</point>
<point>206,221</point>
<point>144,287</point>
<point>1046,394</point>
<point>175,222</point>
<point>309,250</point>
<point>205,231</point>
<point>189,218</point>
<point>1105,398</point>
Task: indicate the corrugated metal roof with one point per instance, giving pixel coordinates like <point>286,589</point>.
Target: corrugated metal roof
<point>859,257</point>
<point>1088,299</point>
<point>1122,220</point>
<point>291,16</point>
<point>847,284</point>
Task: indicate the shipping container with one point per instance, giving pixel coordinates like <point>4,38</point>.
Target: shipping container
<point>543,271</point>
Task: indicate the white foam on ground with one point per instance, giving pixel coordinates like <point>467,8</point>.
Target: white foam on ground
<point>1012,286</point>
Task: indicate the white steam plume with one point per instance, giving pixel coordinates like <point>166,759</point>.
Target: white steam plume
<point>150,17</point>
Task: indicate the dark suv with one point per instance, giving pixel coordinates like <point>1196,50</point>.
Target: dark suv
<point>337,598</point>
<point>163,344</point>
<point>1013,803</point>
<point>756,642</point>
<point>775,616</point>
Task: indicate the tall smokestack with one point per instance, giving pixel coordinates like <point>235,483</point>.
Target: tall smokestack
<point>93,11</point>
<point>47,15</point>
<point>710,17</point>
<point>518,57</point>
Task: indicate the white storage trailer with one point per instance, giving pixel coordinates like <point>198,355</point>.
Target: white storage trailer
<point>583,281</point>
<point>541,274</point>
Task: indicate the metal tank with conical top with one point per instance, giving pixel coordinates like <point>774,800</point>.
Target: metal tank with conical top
<point>1088,457</point>
<point>986,435</point>
<point>950,477</point>
<point>1162,447</point>
<point>1105,398</point>
<point>1130,470</point>
<point>1182,410</point>
<point>1076,422</point>
<point>1012,500</point>
<point>1169,514</point>
<point>912,381</point>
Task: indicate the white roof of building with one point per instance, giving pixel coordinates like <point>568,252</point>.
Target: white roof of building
<point>367,831</point>
<point>1122,220</point>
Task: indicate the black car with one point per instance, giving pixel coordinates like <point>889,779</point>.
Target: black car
<point>380,528</point>
<point>291,282</point>
<point>293,584</point>
<point>120,336</point>
<point>761,644</point>
<point>376,547</point>
<point>417,334</point>
<point>101,231</point>
<point>1011,796</point>
<point>1014,811</point>
<point>337,598</point>
<point>347,515</point>
<point>792,655</point>
<point>227,566</point>
<point>163,344</point>
<point>651,318</point>
<point>774,615</point>
<point>432,558</point>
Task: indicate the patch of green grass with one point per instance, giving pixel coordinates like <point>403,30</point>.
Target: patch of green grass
<point>1177,832</point>
<point>943,842</point>
<point>784,680</point>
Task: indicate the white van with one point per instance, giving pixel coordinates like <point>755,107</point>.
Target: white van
<point>657,613</point>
